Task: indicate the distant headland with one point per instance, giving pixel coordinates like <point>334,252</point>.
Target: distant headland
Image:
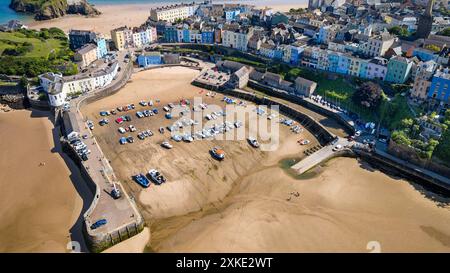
<point>50,9</point>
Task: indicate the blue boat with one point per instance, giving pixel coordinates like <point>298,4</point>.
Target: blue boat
<point>142,180</point>
<point>99,223</point>
<point>122,140</point>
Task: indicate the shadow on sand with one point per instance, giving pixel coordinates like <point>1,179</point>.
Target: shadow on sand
<point>433,193</point>
<point>76,231</point>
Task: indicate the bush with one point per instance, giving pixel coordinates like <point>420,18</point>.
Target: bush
<point>368,95</point>
<point>400,137</point>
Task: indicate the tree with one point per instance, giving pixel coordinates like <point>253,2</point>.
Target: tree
<point>399,31</point>
<point>368,95</point>
<point>407,123</point>
<point>433,48</point>
<point>442,150</point>
<point>400,137</point>
<point>23,82</point>
<point>445,32</point>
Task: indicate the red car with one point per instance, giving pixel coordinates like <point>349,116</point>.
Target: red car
<point>119,120</point>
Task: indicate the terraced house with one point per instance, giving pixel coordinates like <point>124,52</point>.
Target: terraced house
<point>398,70</point>
<point>236,36</point>
<point>439,92</point>
<point>171,13</point>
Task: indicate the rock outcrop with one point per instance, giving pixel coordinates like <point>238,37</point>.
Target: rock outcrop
<point>49,9</point>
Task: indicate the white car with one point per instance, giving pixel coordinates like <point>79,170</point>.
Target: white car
<point>132,128</point>
<point>121,130</point>
<point>337,148</point>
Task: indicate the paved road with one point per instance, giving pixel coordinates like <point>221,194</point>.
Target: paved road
<point>117,212</point>
<point>321,155</point>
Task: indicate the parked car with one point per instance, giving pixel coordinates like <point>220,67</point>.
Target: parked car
<point>99,223</point>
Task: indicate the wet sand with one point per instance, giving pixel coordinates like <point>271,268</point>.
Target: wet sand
<point>248,203</point>
<point>39,203</point>
<point>135,244</point>
<point>341,210</point>
<point>132,15</point>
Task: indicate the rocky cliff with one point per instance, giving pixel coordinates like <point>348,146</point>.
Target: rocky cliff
<point>49,9</point>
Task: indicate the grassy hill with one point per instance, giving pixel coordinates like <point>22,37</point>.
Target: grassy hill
<point>33,52</point>
<point>40,48</point>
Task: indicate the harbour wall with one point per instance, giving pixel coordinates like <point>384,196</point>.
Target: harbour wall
<point>391,166</point>
<point>100,241</point>
<point>349,129</point>
<point>321,133</point>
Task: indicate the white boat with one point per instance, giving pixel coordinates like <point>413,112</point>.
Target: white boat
<point>253,142</point>
<point>166,145</point>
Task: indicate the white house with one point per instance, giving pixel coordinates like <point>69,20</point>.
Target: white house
<point>58,87</point>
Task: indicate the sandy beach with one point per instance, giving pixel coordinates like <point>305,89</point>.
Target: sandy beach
<point>250,204</point>
<point>131,15</point>
<point>39,204</point>
<point>341,210</point>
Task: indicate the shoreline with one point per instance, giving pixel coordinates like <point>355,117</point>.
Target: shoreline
<point>40,211</point>
<point>117,15</point>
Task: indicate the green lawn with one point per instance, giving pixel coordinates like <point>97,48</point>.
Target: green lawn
<point>41,48</point>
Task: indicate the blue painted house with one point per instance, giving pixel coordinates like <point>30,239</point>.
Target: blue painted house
<point>230,15</point>
<point>439,91</point>
<point>186,35</point>
<point>278,54</point>
<point>363,68</point>
<point>425,54</point>
<point>207,37</point>
<point>295,55</point>
<point>344,64</point>
<point>102,50</point>
<point>333,61</point>
<point>171,34</point>
<point>147,59</point>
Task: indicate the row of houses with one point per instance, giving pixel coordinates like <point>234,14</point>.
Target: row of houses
<point>241,74</point>
<point>88,46</point>
<point>124,37</point>
<point>58,87</point>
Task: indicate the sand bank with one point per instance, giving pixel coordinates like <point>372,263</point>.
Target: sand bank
<point>39,204</point>
<point>135,244</point>
<point>341,210</point>
<point>247,203</point>
<point>132,15</point>
<point>113,16</point>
